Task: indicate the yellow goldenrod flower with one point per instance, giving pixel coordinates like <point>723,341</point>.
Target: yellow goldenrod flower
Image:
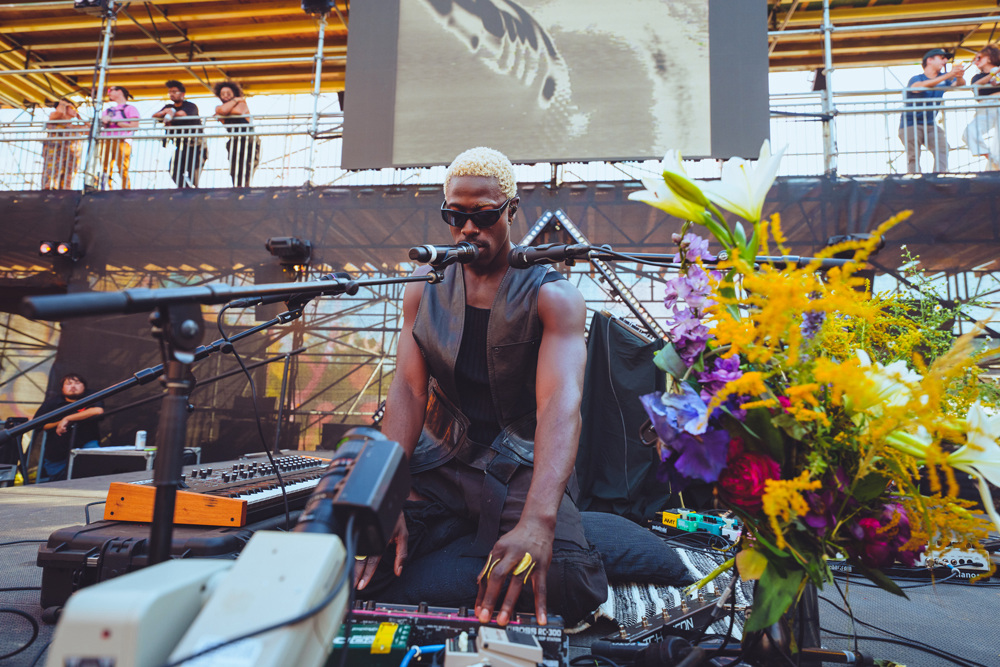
<point>783,500</point>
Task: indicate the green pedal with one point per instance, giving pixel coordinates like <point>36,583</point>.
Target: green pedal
<point>372,645</point>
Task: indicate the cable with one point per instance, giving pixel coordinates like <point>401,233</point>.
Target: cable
<point>86,508</point>
<point>414,652</point>
<point>34,630</point>
<point>348,569</point>
<point>590,659</point>
<point>7,544</point>
<point>256,414</point>
<point>40,654</point>
<point>882,630</point>
<point>909,643</point>
<point>20,588</point>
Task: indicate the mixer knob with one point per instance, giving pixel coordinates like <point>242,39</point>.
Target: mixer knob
<point>422,608</point>
<point>183,477</point>
<point>463,611</point>
<point>370,605</point>
<point>225,477</point>
<point>209,470</point>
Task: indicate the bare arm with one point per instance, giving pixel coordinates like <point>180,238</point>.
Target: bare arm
<point>234,107</point>
<point>956,73</point>
<point>405,407</point>
<point>558,389</point>
<point>62,425</point>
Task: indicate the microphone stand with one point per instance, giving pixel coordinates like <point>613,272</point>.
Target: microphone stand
<point>179,326</point>
<point>605,253</point>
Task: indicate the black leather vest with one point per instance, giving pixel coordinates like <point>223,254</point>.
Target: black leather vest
<point>513,338</point>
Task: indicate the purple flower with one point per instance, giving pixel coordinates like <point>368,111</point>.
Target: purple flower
<point>689,450</point>
<point>688,335</point>
<point>694,248</point>
<point>723,371</point>
<point>673,414</point>
<point>700,457</point>
<point>812,320</point>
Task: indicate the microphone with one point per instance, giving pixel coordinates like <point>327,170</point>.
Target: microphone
<point>521,257</point>
<point>436,255</point>
<point>246,302</point>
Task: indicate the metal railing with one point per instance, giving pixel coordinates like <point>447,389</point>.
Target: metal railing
<point>38,154</point>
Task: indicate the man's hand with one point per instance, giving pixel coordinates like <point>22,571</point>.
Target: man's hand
<point>531,537</point>
<point>957,71</point>
<point>63,426</point>
<point>365,568</point>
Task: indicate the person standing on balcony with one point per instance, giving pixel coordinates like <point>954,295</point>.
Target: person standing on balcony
<point>185,128</point>
<point>61,148</point>
<point>987,119</point>
<point>918,128</point>
<point>117,123</point>
<point>243,147</point>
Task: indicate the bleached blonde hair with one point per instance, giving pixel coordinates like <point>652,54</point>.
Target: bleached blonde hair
<point>482,161</point>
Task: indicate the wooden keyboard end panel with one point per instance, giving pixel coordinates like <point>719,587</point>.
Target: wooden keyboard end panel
<point>134,502</point>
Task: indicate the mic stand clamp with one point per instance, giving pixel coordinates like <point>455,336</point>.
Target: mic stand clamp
<point>180,328</point>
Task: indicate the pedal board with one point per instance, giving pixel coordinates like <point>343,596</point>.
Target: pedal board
<point>423,625</point>
<point>689,615</point>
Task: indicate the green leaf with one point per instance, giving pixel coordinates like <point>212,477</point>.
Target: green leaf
<point>751,564</point>
<point>870,487</point>
<point>668,361</point>
<point>766,438</point>
<point>881,580</point>
<point>774,595</point>
<point>740,235</point>
<point>792,426</point>
<point>720,233</point>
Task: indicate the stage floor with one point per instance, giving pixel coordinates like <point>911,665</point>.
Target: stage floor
<point>955,619</point>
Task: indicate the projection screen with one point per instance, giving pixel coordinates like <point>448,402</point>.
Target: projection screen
<point>554,80</point>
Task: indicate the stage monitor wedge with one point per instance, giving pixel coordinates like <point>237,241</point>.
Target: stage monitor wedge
<point>554,80</point>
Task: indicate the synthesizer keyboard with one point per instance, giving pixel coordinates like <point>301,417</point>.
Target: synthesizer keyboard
<point>231,496</point>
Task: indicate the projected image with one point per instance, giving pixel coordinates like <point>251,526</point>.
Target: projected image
<point>551,79</point>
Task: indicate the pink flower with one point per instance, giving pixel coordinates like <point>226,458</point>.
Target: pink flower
<point>741,483</point>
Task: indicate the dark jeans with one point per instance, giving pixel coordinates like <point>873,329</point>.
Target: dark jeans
<point>185,167</point>
<point>443,529</point>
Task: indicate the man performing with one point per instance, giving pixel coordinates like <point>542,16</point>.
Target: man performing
<point>500,354</point>
<point>189,152</point>
<point>917,128</point>
<point>77,430</point>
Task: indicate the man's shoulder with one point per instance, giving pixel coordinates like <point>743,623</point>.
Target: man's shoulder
<point>190,106</point>
<point>917,78</point>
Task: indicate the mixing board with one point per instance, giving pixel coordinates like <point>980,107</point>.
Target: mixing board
<point>230,496</point>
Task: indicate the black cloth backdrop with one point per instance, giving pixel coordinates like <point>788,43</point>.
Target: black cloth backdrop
<point>616,472</point>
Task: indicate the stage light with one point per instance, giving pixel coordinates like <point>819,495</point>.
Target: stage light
<point>293,253</point>
<point>317,6</point>
<point>91,6</point>
<point>70,250</point>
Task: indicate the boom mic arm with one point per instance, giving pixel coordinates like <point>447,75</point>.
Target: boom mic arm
<point>521,257</point>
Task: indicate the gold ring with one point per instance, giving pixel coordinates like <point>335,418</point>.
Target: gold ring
<point>526,562</point>
<point>528,573</point>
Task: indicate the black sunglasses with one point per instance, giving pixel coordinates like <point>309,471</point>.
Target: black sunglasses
<point>481,219</point>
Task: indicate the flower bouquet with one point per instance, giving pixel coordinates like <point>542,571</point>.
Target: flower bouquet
<point>808,403</point>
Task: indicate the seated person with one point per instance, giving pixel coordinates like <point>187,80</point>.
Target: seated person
<point>77,430</point>
<point>485,401</point>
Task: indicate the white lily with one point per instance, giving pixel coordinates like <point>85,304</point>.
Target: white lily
<point>888,386</point>
<point>980,455</point>
<point>663,197</point>
<point>745,185</point>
